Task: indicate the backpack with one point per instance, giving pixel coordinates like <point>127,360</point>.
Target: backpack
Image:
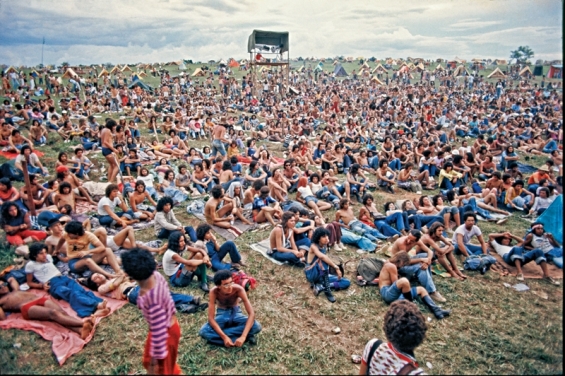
<point>369,269</point>
<point>240,278</point>
<point>480,263</point>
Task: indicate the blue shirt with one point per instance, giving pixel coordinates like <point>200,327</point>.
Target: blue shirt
<point>259,203</point>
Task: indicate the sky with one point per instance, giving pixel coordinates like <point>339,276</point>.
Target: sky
<point>128,31</point>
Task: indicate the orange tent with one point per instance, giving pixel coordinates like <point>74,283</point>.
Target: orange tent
<point>233,64</point>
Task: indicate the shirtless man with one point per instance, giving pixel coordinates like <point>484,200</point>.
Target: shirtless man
<point>262,211</point>
<point>226,176</point>
<point>348,220</point>
<point>66,196</point>
<point>36,189</point>
<point>219,139</point>
<point>5,133</point>
<point>250,193</point>
<point>64,175</point>
<point>33,307</point>
<point>419,265</point>
<point>443,254</point>
<point>16,141</point>
<point>38,133</point>
<point>136,200</point>
<point>393,288</point>
<point>217,207</point>
<point>108,149</point>
<point>228,326</point>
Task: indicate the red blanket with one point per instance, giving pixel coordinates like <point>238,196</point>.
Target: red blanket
<point>12,155</point>
<point>65,341</point>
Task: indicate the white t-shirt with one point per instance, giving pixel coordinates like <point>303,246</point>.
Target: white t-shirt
<point>467,235</point>
<point>305,191</point>
<point>33,159</point>
<point>106,201</point>
<point>42,271</point>
<point>170,266</point>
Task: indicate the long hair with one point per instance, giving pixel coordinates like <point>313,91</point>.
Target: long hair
<point>174,240</point>
<point>162,202</point>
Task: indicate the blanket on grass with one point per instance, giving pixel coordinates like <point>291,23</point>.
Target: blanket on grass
<point>262,247</point>
<point>12,155</point>
<point>196,208</point>
<point>65,341</point>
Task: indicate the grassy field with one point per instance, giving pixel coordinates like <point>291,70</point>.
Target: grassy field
<point>492,329</point>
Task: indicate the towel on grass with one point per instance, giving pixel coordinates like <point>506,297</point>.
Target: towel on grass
<point>65,341</point>
<point>262,247</point>
<point>196,208</point>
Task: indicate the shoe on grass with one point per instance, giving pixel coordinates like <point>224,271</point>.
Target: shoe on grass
<point>520,277</point>
<point>551,280</point>
<point>437,297</point>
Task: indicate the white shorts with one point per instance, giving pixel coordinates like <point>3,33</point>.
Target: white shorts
<point>110,243</point>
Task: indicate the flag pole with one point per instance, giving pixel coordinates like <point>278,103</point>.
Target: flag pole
<point>42,45</point>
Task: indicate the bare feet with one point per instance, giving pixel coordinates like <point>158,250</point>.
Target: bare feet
<point>87,327</point>
<point>102,305</point>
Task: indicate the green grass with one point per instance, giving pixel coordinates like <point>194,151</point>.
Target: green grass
<point>492,329</point>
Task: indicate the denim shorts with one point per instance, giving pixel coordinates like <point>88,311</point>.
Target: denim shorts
<point>392,293</point>
<point>311,198</point>
<point>72,263</point>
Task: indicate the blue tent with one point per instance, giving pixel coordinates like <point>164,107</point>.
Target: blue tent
<point>141,84</point>
<point>552,219</point>
<point>339,71</point>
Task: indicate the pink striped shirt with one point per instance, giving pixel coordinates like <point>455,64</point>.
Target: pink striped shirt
<point>158,308</point>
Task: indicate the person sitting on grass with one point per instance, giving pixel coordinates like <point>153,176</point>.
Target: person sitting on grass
<point>420,265</point>
<point>41,268</point>
<point>158,309</point>
<point>182,269</point>
<point>107,205</point>
<point>539,239</point>
<point>227,326</point>
<point>444,252</point>
<point>219,209</point>
<point>207,242</point>
<point>262,212</point>
<point>137,198</point>
<point>17,225</point>
<point>166,222</point>
<point>393,288</point>
<point>463,235</point>
<point>517,255</point>
<point>317,258</point>
<point>283,247</point>
<point>123,288</point>
<point>42,308</point>
<point>86,251</point>
<point>405,329</point>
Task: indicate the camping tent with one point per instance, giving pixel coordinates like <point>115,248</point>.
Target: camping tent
<point>115,70</point>
<point>10,69</point>
<point>375,79</point>
<point>555,71</point>
<point>142,74</point>
<point>198,73</point>
<point>300,69</point>
<point>140,84</point>
<point>70,73</point>
<point>461,71</point>
<point>420,66</point>
<point>379,69</point>
<point>552,219</point>
<point>339,71</point>
<point>135,76</point>
<point>538,70</point>
<point>103,73</point>
<point>525,71</point>
<point>439,68</point>
<point>365,65</point>
<point>497,73</point>
<point>350,59</point>
<point>319,67</point>
<point>126,68</point>
<point>222,62</point>
<point>233,64</point>
<point>182,66</point>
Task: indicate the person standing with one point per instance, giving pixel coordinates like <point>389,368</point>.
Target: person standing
<point>108,150</point>
<point>158,309</point>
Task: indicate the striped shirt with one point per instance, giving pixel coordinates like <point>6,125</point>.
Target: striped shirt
<point>158,308</point>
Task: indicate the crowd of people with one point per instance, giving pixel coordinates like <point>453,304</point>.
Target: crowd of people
<point>333,150</point>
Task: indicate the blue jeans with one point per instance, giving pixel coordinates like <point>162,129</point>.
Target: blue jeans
<point>304,242</point>
<point>395,164</point>
<point>555,256</point>
<point>471,249</point>
<point>520,201</point>
<point>106,220</point>
<point>472,204</point>
<point>82,301</point>
<point>392,293</point>
<point>550,146</point>
<point>447,184</point>
<point>203,189</point>
<point>164,233</point>
<point>386,229</point>
<point>232,322</point>
<point>348,237</point>
<point>285,256</point>
<point>421,220</point>
<point>177,298</point>
<point>183,278</point>
<point>216,257</point>
<point>519,253</point>
<point>366,230</point>
<point>414,271</point>
<point>218,147</point>
<point>400,220</point>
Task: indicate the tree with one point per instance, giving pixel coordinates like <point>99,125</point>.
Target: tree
<point>522,54</point>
